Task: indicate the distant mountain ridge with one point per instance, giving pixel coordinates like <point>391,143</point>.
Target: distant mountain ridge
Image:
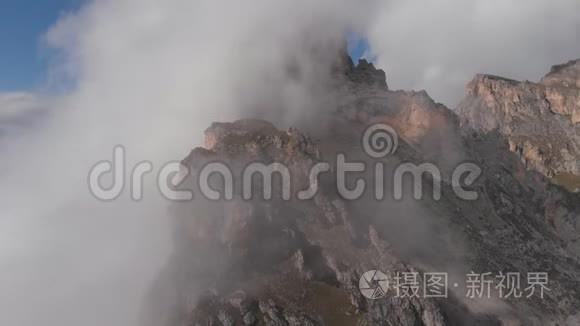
<point>540,120</point>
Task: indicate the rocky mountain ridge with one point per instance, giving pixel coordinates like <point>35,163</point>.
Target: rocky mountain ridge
<point>299,262</point>
<point>540,120</point>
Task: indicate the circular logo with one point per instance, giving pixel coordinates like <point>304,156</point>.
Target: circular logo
<point>380,140</point>
<point>374,285</point>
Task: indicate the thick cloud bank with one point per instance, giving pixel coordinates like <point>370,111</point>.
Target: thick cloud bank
<point>151,76</point>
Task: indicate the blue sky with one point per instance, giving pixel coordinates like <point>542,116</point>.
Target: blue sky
<point>23,59</point>
<point>357,47</point>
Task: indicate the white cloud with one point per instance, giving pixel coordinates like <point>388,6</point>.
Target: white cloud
<point>20,113</point>
<point>13,105</point>
<point>519,39</point>
<point>150,75</point>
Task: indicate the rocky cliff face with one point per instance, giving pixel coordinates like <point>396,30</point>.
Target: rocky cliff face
<point>540,120</point>
<point>299,262</point>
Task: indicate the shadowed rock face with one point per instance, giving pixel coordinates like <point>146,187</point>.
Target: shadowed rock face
<point>298,262</point>
<point>363,75</point>
<point>540,120</point>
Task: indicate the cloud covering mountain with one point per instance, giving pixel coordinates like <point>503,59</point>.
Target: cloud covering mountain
<point>151,75</point>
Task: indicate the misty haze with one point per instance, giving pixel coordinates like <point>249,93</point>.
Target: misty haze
<point>328,162</point>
